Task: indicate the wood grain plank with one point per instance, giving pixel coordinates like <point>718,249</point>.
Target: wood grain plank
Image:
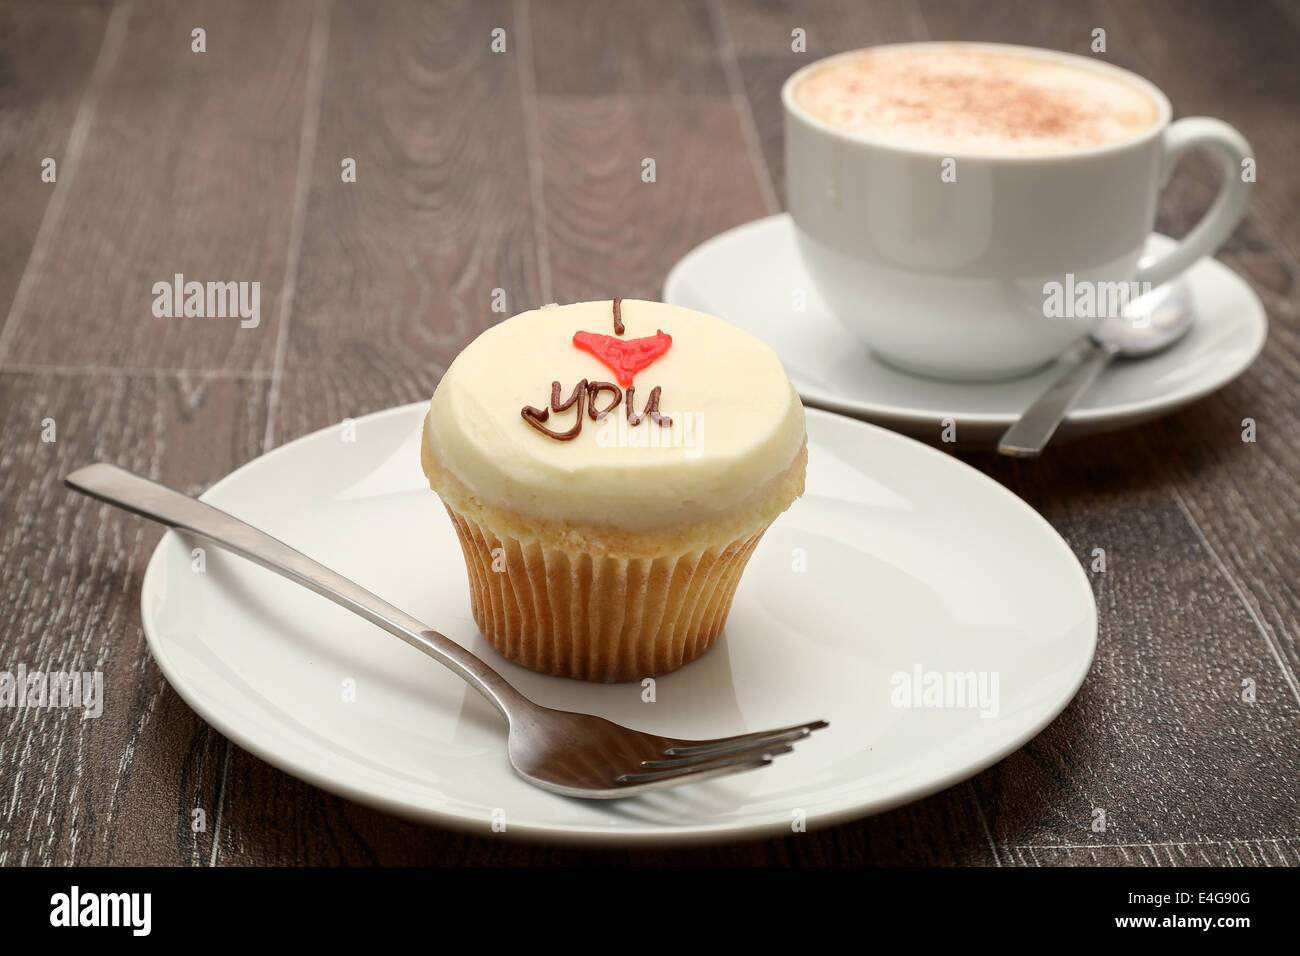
<point>119,788</point>
<point>589,49</point>
<point>1159,736</point>
<point>609,231</point>
<point>1057,24</point>
<point>188,168</point>
<point>38,106</point>
<point>1279,852</point>
<point>399,269</point>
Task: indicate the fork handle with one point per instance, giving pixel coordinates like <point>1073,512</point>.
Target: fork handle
<point>122,488</point>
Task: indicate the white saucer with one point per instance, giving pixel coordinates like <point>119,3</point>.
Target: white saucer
<point>750,276</point>
<point>912,559</point>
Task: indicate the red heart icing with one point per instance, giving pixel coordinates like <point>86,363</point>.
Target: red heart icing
<point>625,357</point>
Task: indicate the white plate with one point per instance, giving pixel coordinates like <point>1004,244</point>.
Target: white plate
<point>912,558</point>
<point>751,275</point>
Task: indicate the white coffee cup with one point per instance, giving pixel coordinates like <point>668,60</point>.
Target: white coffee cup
<point>948,275</point>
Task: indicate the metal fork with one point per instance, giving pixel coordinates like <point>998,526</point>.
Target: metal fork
<point>578,755</point>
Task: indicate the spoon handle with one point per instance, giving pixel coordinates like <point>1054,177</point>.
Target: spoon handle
<point>124,489</point>
<point>1034,429</point>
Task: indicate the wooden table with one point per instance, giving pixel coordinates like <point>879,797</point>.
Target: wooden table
<point>520,171</point>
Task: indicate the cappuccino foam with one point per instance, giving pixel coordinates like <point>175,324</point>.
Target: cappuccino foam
<point>962,98</point>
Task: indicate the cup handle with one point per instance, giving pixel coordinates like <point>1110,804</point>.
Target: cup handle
<point>1217,224</point>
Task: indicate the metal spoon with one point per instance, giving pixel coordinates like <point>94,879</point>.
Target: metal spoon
<point>1149,324</point>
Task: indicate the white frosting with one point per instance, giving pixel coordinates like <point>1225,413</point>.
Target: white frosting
<point>738,424</point>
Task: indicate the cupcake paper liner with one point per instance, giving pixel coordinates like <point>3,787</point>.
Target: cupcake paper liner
<point>598,617</point>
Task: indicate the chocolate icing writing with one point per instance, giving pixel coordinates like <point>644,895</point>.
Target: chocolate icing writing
<point>635,418</point>
<point>536,416</point>
<point>584,396</point>
<point>618,315</point>
<point>593,390</point>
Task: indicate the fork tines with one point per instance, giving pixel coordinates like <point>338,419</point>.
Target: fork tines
<point>725,755</point>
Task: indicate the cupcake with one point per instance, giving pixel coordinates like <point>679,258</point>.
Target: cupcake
<point>609,468</point>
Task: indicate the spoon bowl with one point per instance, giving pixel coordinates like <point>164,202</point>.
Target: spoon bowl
<point>1150,323</point>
